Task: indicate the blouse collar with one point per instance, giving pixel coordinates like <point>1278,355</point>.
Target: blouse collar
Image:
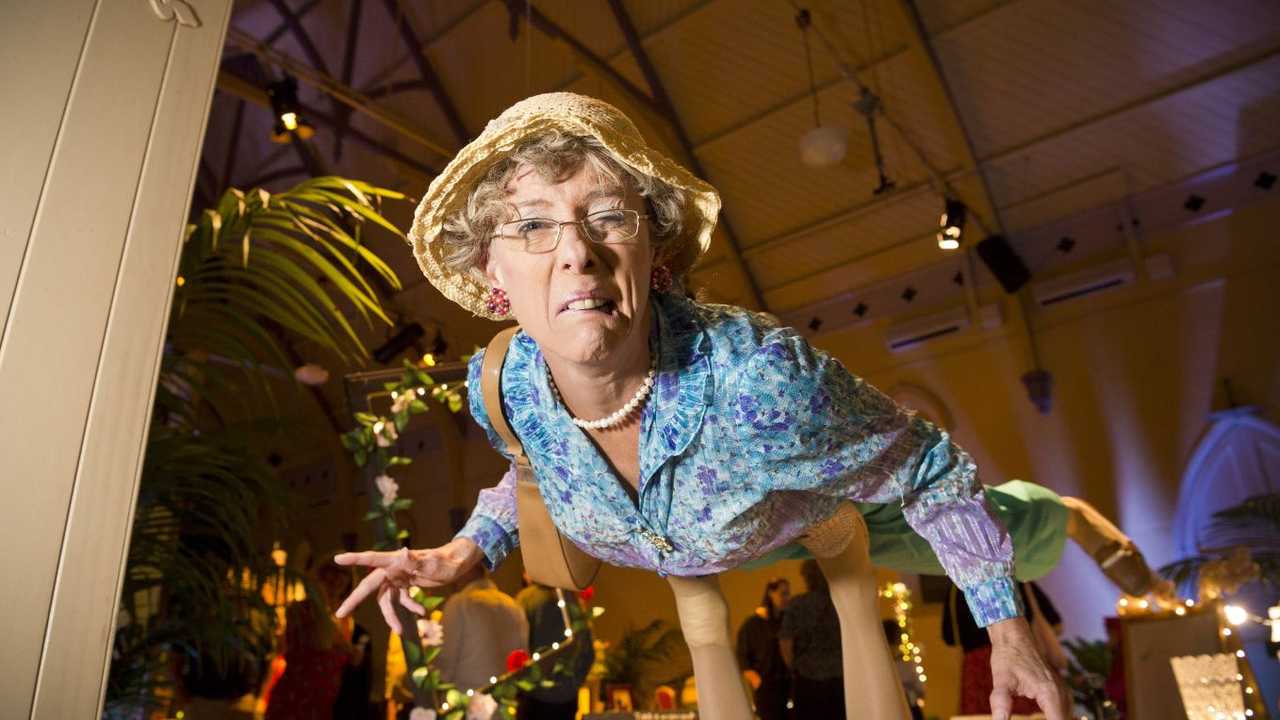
<point>682,385</point>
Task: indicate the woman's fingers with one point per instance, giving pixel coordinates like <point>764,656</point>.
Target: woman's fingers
<point>389,611</point>
<point>369,558</point>
<point>368,586</point>
<point>410,604</point>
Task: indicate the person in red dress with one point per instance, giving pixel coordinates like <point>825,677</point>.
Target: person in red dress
<point>317,647</point>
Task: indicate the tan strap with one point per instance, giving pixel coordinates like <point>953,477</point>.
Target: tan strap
<point>549,557</point>
<point>491,390</point>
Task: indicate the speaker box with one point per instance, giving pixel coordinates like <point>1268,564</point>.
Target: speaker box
<point>999,257</point>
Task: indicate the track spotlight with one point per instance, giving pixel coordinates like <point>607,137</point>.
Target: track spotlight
<point>951,224</point>
<point>284,105</point>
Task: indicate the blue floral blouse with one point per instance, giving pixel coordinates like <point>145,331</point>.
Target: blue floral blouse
<point>750,437</point>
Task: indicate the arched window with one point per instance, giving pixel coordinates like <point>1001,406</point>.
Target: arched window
<point>1237,458</point>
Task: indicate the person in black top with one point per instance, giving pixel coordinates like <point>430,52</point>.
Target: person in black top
<point>759,656</point>
<point>546,625</point>
<point>959,628</point>
<point>810,643</point>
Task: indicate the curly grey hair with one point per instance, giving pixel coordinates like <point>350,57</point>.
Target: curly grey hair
<point>555,155</point>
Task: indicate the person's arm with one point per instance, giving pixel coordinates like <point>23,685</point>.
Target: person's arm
<point>812,426</point>
<point>786,640</point>
<point>747,653</point>
<point>787,648</point>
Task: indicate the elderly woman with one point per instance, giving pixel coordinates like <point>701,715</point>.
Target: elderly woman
<point>686,438</point>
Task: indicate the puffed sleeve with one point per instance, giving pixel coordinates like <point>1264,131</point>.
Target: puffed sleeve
<point>810,425</point>
<point>492,525</point>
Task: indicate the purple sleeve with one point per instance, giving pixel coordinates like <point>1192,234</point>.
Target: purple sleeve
<point>492,525</point>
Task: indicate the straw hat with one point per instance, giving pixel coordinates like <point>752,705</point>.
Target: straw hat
<point>568,112</point>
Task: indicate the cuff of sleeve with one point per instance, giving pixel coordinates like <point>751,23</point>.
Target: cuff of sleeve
<point>494,541</point>
<point>994,600</point>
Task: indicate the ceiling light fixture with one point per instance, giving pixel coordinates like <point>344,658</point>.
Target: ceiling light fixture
<point>285,107</point>
<point>951,224</point>
<point>821,146</point>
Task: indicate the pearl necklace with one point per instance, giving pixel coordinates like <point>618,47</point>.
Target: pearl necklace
<point>642,393</point>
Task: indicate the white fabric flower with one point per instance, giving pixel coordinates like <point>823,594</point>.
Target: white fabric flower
<point>402,402</point>
<point>421,713</point>
<point>431,632</point>
<point>385,435</point>
<point>481,707</point>
<point>388,487</point>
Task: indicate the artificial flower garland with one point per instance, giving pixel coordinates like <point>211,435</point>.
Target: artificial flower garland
<point>372,446</point>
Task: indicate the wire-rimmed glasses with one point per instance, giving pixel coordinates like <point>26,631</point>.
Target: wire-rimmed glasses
<point>542,235</point>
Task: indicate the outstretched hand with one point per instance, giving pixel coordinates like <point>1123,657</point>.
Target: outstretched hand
<point>396,571</point>
<point>1018,669</point>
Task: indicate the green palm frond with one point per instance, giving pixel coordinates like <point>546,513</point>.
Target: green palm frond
<point>1258,513</point>
<point>291,260</point>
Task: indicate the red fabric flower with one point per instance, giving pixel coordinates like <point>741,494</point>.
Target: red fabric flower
<point>516,660</point>
<point>587,593</point>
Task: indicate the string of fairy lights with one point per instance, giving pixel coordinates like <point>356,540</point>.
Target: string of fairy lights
<point>899,596</point>
<point>1237,687</point>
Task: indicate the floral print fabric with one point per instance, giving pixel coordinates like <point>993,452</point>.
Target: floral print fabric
<point>750,437</point>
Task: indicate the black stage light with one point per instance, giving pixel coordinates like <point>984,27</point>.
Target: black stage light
<point>951,224</point>
<point>284,105</point>
<point>1003,262</point>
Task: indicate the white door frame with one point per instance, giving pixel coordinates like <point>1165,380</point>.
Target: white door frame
<point>103,106</point>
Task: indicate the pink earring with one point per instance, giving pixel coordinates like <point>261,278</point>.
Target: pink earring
<point>497,302</point>
<point>660,279</point>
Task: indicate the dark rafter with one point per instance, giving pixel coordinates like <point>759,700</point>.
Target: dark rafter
<point>667,109</point>
<point>396,88</point>
<point>300,34</point>
<point>369,142</point>
<point>551,29</point>
<point>206,179</point>
<point>348,67</point>
<point>428,73</point>
<point>283,27</point>
<point>233,146</point>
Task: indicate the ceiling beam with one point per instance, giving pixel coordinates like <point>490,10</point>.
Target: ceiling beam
<point>239,87</point>
<point>668,110</point>
<point>428,73</point>
<point>348,67</point>
<point>395,88</point>
<point>233,146</point>
<point>300,34</point>
<point>283,27</point>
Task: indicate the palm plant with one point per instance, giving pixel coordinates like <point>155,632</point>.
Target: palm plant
<point>1253,523</point>
<point>256,273</point>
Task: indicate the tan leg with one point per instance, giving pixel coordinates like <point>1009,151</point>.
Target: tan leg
<point>704,619</point>
<point>1106,544</point>
<point>872,688</point>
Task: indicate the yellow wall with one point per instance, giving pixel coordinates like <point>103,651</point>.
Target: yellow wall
<point>1136,373</point>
